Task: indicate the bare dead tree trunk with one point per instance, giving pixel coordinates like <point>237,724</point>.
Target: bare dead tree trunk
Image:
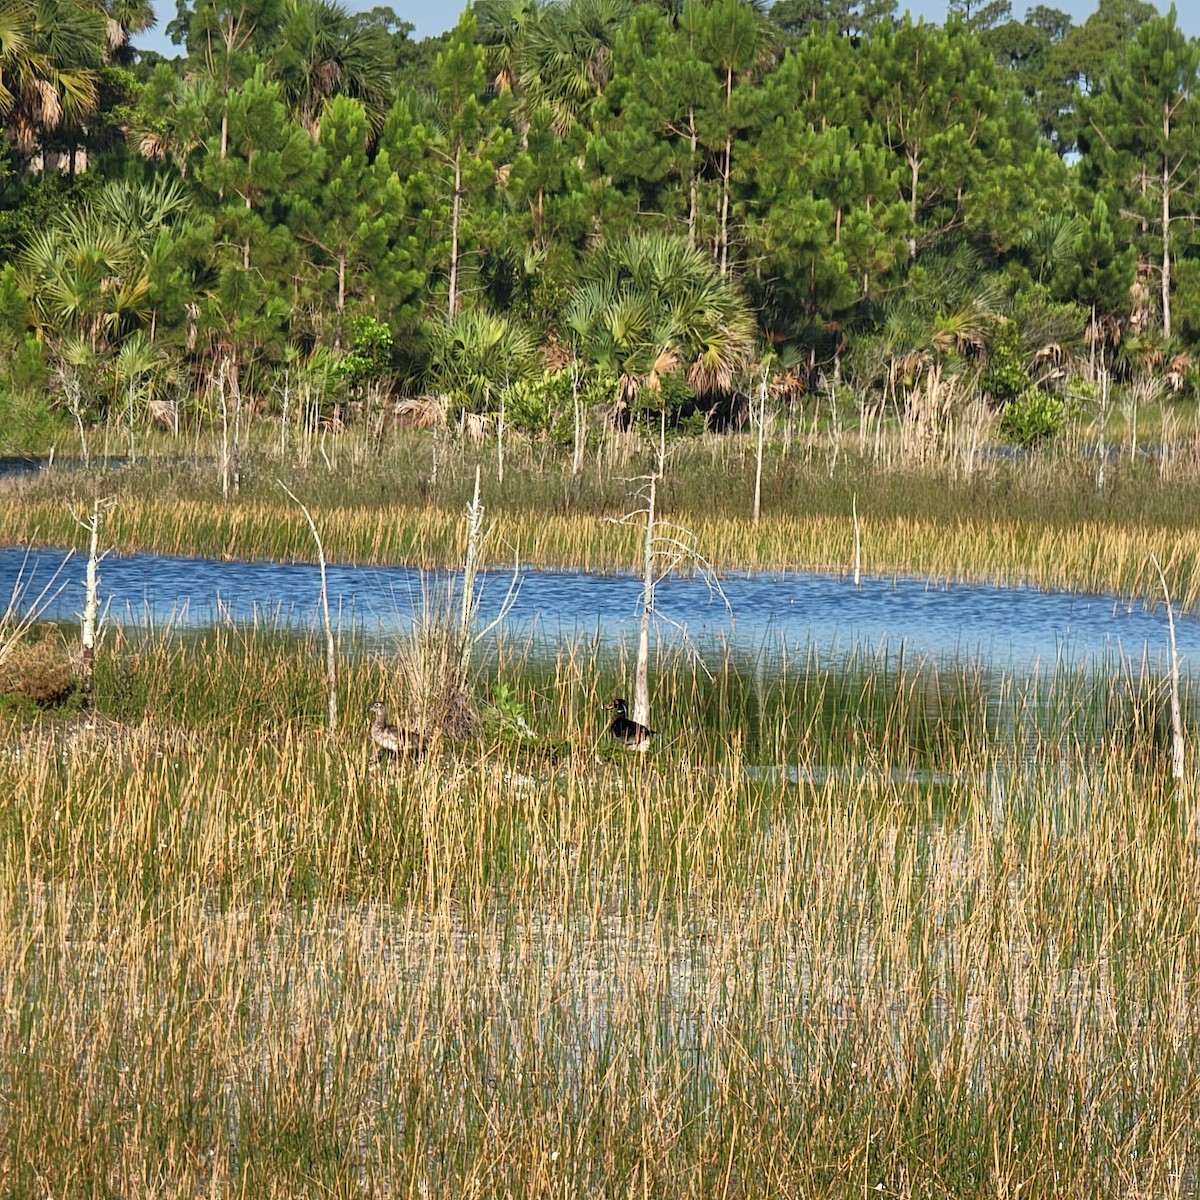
<point>341,300</point>
<point>330,644</point>
<point>580,432</point>
<point>91,602</point>
<point>758,451</point>
<point>727,170</point>
<point>471,565</point>
<point>500,440</point>
<point>1102,448</point>
<point>1166,239</point>
<point>694,139</point>
<point>224,432</point>
<point>641,678</point>
<point>914,163</point>
<point>74,391</point>
<point>725,206</point>
<point>455,210</point>
<point>283,416</point>
<point>857,542</point>
<point>235,467</point>
<point>1177,747</point>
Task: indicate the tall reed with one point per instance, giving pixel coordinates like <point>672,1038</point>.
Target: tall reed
<point>865,925</point>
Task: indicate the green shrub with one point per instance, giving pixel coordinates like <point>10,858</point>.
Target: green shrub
<point>529,405</point>
<point>1033,417</point>
<point>1006,378</point>
<point>669,394</point>
<point>28,425</point>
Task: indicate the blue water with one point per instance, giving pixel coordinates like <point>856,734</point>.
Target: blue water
<point>1011,627</point>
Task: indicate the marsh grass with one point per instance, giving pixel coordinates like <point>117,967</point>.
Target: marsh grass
<point>1038,520</point>
<point>238,958</point>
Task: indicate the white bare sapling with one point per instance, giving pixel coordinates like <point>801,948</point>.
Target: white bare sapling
<point>1177,747</point>
<point>89,618</point>
<point>330,644</point>
<point>666,549</point>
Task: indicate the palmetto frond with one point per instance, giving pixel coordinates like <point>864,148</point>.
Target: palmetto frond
<point>950,304</point>
<point>477,354</point>
<point>50,51</point>
<point>964,330</point>
<point>655,299</point>
<point>1052,242</point>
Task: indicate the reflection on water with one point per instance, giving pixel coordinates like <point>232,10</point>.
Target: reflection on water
<point>1014,627</point>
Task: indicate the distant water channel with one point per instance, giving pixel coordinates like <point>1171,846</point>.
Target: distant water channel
<point>1015,628</point>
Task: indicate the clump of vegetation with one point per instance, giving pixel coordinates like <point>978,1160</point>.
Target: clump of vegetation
<point>38,669</point>
<point>432,664</point>
<point>1033,418</point>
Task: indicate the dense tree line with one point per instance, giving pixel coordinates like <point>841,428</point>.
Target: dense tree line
<point>652,204</point>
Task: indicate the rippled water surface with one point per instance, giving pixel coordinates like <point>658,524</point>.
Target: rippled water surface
<point>1018,627</point>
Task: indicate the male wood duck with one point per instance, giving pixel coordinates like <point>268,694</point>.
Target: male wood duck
<point>391,738</point>
<point>628,733</point>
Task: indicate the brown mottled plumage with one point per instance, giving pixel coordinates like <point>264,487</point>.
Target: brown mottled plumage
<point>391,738</point>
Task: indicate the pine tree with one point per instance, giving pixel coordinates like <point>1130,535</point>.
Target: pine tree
<point>1142,139</point>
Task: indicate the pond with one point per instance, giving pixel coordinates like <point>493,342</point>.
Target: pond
<point>1013,627</point>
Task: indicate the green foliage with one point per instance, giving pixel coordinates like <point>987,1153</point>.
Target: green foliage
<point>1006,377</point>
<point>29,371</point>
<point>27,205</point>
<point>1032,418</point>
<point>370,355</point>
<point>660,185</point>
<point>1141,143</point>
<point>665,396</point>
<point>528,405</point>
<point>14,305</point>
<point>546,403</point>
<point>477,356</point>
<point>652,305</point>
<point>28,423</point>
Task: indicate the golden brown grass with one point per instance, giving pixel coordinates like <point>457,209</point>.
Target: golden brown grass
<point>244,960</point>
<point>1093,557</point>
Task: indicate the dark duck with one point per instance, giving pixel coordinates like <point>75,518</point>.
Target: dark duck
<point>626,732</point>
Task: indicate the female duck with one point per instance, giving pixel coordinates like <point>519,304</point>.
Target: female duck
<point>391,738</point>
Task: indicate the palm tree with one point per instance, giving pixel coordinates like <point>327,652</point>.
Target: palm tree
<point>88,272</point>
<point>323,52</point>
<point>567,58</point>
<point>475,355</point>
<point>504,27</point>
<point>655,305</point>
<point>50,51</point>
<point>125,19</point>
